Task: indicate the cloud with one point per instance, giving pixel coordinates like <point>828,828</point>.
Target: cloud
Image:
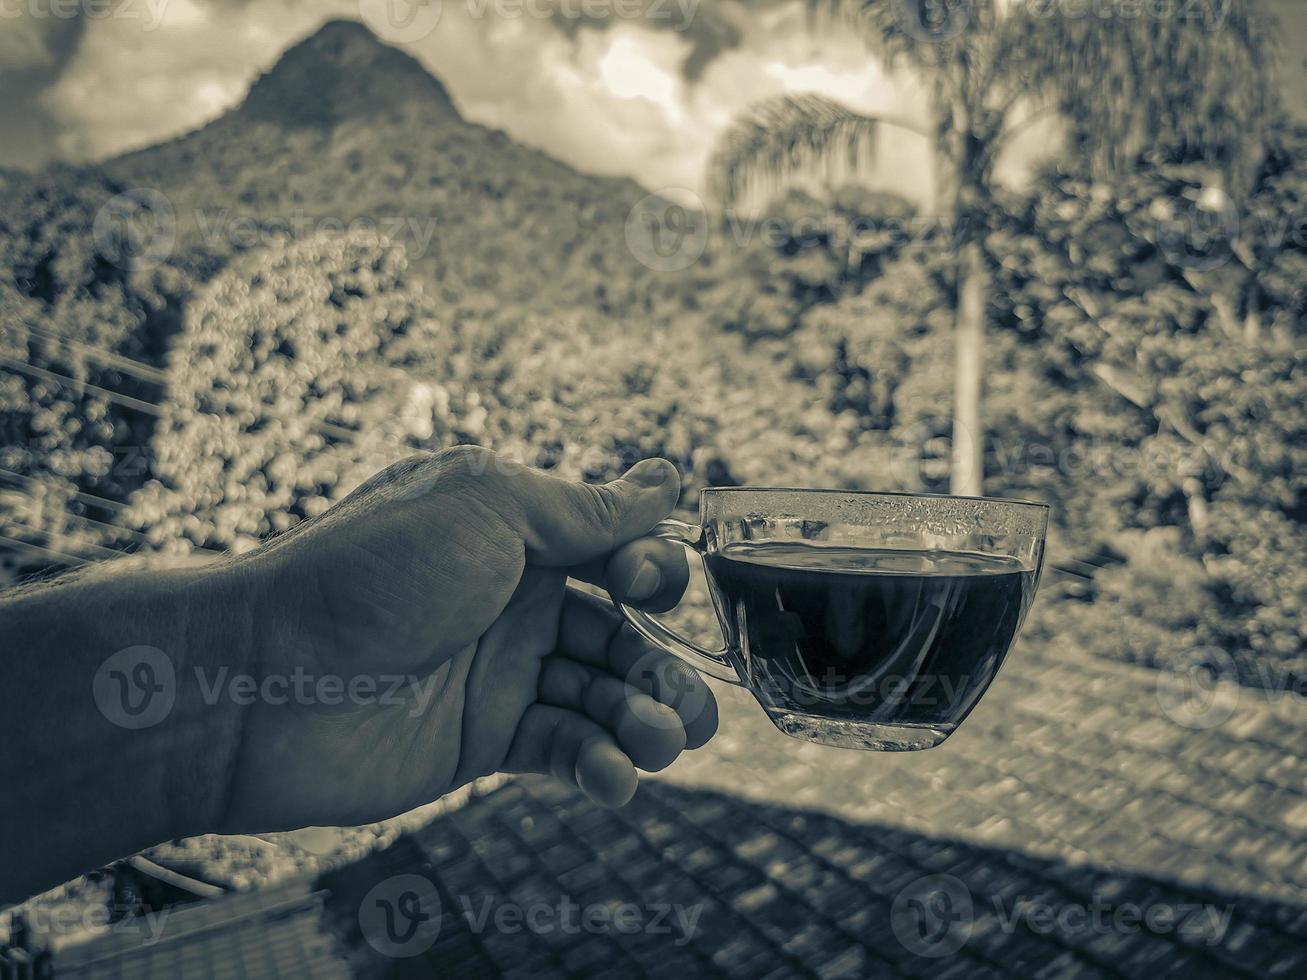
<point>33,51</point>
<point>137,80</point>
<point>617,101</point>
<point>23,44</point>
<point>709,28</point>
<point>624,95</point>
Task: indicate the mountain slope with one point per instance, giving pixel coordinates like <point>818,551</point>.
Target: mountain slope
<point>345,130</point>
<point>343,133</point>
<point>336,74</point>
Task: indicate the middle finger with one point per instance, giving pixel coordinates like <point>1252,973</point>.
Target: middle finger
<point>592,631</point>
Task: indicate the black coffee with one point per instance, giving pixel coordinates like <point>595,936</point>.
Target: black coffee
<point>834,640</point>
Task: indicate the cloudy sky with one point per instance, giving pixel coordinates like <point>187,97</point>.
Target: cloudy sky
<point>644,97</point>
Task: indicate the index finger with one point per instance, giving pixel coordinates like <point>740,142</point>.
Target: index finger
<point>650,573</point>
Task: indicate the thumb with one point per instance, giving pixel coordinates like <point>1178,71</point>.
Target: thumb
<point>568,523</point>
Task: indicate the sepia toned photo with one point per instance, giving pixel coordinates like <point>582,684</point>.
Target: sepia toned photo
<point>748,489</point>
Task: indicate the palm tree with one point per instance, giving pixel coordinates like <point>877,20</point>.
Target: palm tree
<point>1193,83</point>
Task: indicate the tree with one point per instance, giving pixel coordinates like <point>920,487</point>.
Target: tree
<point>82,330</point>
<point>1187,436</point>
<point>803,253</point>
<point>1193,82</point>
<point>286,387</point>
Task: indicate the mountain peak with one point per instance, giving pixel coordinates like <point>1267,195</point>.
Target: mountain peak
<point>340,72</point>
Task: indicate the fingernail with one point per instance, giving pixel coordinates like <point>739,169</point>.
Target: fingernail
<point>645,581</point>
<point>648,473</point>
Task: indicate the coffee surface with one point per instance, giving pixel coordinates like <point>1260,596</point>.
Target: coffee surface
<point>867,634</point>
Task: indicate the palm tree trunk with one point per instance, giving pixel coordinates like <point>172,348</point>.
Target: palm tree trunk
<point>967,472</point>
<point>1252,317</point>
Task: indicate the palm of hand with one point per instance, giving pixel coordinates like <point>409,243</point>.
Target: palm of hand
<point>424,673</point>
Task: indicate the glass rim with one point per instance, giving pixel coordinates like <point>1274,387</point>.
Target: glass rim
<point>1017,501</point>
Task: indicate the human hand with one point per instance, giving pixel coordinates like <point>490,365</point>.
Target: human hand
<point>433,603</point>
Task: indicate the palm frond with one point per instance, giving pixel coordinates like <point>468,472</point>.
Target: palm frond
<point>790,135</point>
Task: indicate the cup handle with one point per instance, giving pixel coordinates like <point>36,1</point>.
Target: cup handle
<point>711,662</point>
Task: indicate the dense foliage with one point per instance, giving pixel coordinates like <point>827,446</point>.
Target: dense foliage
<point>70,311</point>
<point>473,209</point>
<point>1144,373</point>
<point>1176,317</point>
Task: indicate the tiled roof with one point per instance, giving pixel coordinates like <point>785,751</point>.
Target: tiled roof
<point>272,933</point>
<point>1075,803</point>
<point>776,891</point>
<point>1077,791</point>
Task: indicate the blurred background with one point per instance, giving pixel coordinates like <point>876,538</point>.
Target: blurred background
<point>1052,249</point>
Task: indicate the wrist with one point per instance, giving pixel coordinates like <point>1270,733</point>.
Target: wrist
<point>113,744</point>
<point>215,645</point>
<point>178,637</point>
